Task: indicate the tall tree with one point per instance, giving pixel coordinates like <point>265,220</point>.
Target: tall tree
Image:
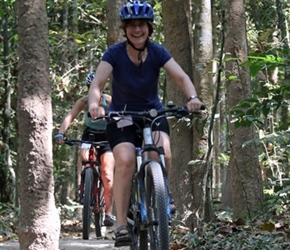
<point>282,25</point>
<point>177,32</point>
<point>202,146</point>
<point>245,170</point>
<point>39,224</point>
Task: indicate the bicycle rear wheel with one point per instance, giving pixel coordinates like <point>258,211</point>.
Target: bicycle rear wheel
<point>157,207</point>
<point>99,209</point>
<point>87,212</point>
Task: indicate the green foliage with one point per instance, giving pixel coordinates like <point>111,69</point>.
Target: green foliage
<point>277,198</point>
<point>9,216</point>
<point>69,211</point>
<point>262,110</point>
<point>267,97</point>
<point>227,235</point>
<point>266,231</point>
<point>262,62</point>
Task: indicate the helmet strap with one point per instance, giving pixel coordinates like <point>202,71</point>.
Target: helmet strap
<point>138,49</point>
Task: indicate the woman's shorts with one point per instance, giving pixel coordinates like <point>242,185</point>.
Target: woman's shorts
<point>133,133</point>
<point>99,135</point>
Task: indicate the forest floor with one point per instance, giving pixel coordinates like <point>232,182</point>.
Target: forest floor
<point>71,239</point>
<point>270,230</point>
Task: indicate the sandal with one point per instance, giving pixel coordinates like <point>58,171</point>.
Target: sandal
<point>122,237</point>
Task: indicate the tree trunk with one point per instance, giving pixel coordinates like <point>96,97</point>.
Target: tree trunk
<point>282,25</point>
<point>39,224</point>
<point>227,193</point>
<point>202,144</point>
<point>245,170</point>
<point>115,34</point>
<point>178,42</point>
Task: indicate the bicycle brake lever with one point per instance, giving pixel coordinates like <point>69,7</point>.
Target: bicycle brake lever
<point>114,116</point>
<point>181,112</point>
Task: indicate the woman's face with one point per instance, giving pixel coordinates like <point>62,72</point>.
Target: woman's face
<point>137,32</point>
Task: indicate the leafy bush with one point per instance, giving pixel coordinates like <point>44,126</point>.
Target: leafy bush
<point>9,216</point>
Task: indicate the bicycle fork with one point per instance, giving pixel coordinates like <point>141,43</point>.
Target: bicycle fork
<point>161,154</point>
<point>162,158</point>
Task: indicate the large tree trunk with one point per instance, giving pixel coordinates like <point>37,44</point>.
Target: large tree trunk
<point>39,224</point>
<point>282,24</point>
<point>246,174</point>
<point>115,34</point>
<point>202,144</point>
<point>178,42</point>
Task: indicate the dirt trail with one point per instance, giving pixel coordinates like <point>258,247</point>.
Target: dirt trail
<point>75,242</point>
<point>70,244</point>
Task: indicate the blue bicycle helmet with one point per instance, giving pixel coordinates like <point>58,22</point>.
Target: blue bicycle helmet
<point>90,78</point>
<point>136,10</point>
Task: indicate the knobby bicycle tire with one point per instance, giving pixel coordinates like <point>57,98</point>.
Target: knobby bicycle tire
<point>140,238</point>
<point>143,239</point>
<point>99,209</point>
<point>87,212</point>
<point>138,232</point>
<point>157,207</point>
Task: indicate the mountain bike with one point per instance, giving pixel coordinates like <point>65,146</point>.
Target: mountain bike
<point>91,188</point>
<point>149,214</point>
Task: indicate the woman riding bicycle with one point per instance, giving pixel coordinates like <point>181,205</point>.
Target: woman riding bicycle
<point>99,130</point>
<point>135,67</point>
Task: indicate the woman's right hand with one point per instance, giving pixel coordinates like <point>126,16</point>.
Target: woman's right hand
<point>96,111</point>
<point>59,138</point>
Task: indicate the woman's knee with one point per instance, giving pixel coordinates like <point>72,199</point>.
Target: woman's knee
<point>124,155</point>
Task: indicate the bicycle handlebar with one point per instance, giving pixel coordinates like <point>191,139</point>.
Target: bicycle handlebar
<point>71,142</point>
<point>172,110</point>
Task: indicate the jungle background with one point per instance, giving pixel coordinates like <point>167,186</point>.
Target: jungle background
<point>230,177</point>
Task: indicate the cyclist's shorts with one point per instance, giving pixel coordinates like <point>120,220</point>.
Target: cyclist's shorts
<point>133,133</point>
<point>98,136</point>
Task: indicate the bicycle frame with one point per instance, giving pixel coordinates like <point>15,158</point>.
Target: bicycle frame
<point>143,157</point>
<point>150,197</point>
<point>150,200</point>
<point>144,218</point>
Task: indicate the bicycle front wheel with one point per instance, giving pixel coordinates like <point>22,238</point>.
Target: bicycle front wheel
<point>87,212</point>
<point>157,207</point>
